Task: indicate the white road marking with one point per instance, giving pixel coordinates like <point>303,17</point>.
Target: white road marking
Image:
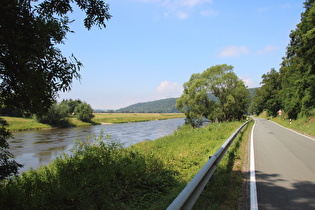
<point>293,131</point>
<point>253,190</point>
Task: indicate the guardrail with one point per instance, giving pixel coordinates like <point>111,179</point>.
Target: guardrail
<point>187,198</point>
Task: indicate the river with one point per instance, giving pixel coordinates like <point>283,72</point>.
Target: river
<point>35,148</point>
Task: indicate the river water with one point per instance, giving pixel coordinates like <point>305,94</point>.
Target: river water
<point>35,148</point>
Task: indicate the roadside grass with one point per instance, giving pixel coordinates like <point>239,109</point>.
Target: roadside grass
<point>101,174</point>
<point>305,125</point>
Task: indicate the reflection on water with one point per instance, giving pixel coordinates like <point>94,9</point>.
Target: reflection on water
<point>34,148</point>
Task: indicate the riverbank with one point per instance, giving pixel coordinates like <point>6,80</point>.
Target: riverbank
<point>148,175</point>
<point>22,124</point>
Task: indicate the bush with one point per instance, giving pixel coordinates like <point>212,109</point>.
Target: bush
<point>56,116</point>
<point>99,175</point>
<point>84,112</point>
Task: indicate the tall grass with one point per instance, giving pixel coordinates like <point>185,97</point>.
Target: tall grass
<point>101,174</point>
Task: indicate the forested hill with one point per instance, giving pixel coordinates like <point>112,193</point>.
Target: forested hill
<point>163,105</point>
<point>159,106</point>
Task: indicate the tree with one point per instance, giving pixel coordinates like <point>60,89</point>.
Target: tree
<point>232,95</point>
<point>57,116</point>
<point>84,112</point>
<point>32,69</point>
<point>268,96</point>
<point>72,104</point>
<point>298,67</point>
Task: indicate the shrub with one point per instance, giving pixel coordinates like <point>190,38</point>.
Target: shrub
<point>84,112</point>
<point>101,175</point>
<point>56,116</point>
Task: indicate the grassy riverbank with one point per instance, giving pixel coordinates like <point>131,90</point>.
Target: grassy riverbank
<point>148,175</point>
<point>19,123</point>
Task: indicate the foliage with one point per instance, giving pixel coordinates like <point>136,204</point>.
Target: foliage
<point>8,166</point>
<point>84,112</point>
<point>298,67</point>
<point>158,106</point>
<point>268,96</point>
<point>293,88</point>
<point>56,116</point>
<point>233,97</point>
<point>99,175</point>
<point>72,104</point>
<point>148,175</point>
<point>32,69</point>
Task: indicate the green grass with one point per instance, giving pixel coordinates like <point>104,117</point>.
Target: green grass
<point>133,117</point>
<point>148,175</point>
<point>304,125</point>
<point>20,124</point>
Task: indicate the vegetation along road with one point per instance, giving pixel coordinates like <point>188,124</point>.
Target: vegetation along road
<point>284,167</point>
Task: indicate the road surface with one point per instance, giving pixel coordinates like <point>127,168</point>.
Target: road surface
<point>284,164</point>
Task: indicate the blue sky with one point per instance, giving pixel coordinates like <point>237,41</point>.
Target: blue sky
<point>151,47</point>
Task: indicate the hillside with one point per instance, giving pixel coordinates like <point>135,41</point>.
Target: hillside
<point>164,105</point>
<point>159,106</point>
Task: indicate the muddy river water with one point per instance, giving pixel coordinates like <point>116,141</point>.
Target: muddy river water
<point>35,148</point>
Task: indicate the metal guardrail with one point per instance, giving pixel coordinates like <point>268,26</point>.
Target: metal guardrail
<point>187,198</point>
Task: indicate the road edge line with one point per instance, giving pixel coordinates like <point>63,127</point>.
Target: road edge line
<point>253,189</point>
<point>310,138</point>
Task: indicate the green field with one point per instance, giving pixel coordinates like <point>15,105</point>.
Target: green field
<point>19,123</point>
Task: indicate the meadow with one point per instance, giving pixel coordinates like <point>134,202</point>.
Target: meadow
<point>101,174</point>
<point>20,123</point>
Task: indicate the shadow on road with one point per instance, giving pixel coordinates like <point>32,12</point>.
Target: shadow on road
<point>275,192</point>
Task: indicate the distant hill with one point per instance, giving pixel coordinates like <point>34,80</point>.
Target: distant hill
<point>159,106</point>
<point>164,105</point>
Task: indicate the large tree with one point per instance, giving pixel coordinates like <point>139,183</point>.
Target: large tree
<point>32,69</point>
<point>268,96</point>
<point>298,67</point>
<point>220,80</point>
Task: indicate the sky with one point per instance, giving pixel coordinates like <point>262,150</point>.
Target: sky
<point>150,48</point>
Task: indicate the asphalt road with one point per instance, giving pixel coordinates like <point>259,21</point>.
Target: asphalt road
<point>284,166</point>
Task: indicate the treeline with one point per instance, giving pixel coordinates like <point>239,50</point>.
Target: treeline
<point>158,106</point>
<point>58,115</point>
<point>292,88</point>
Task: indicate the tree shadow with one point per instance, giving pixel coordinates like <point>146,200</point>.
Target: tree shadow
<point>274,192</point>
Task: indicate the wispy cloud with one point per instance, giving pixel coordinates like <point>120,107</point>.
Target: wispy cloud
<point>167,89</point>
<point>233,51</point>
<point>181,9</point>
<point>269,49</point>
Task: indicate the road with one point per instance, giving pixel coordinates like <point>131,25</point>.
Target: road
<point>284,167</point>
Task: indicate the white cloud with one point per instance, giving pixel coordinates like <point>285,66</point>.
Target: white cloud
<point>233,51</point>
<point>249,82</point>
<point>168,89</point>
<point>182,15</point>
<point>268,49</point>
